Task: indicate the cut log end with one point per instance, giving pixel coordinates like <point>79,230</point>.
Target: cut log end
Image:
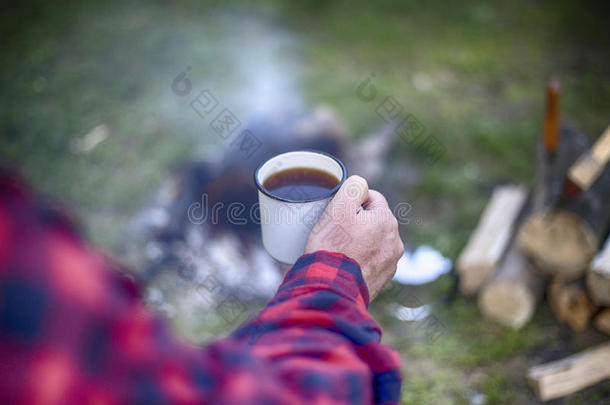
<point>599,288</point>
<point>470,281</point>
<point>558,243</point>
<point>602,321</point>
<point>510,303</point>
<point>571,304</point>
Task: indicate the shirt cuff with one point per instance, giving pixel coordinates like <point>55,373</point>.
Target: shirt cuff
<point>325,270</point>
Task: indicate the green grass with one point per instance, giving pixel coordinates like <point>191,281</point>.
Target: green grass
<point>472,72</point>
<point>498,390</point>
<point>494,343</point>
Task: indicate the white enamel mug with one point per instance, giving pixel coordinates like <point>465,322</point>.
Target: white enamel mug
<point>287,222</point>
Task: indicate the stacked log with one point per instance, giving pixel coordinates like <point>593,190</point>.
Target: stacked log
<point>516,284</point>
<point>510,295</point>
<point>562,241</point>
<point>518,246</point>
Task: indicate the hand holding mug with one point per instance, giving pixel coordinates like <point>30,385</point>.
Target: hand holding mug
<point>374,241</point>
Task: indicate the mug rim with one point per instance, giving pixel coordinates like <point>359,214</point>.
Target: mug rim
<point>330,193</point>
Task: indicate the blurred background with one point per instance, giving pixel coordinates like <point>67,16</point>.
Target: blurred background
<point>97,112</point>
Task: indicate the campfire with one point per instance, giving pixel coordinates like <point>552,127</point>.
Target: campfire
<point>204,263</point>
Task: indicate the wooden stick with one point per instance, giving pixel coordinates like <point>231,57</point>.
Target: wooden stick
<point>563,377</point>
<point>488,242</point>
<point>547,148</point>
<point>587,191</point>
<point>590,165</point>
<point>551,117</point>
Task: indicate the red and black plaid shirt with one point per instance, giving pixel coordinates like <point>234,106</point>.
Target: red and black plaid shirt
<point>73,331</point>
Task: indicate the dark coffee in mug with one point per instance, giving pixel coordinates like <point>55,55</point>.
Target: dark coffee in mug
<point>294,189</point>
<point>301,184</point>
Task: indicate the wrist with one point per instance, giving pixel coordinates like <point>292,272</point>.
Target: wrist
<point>326,270</point>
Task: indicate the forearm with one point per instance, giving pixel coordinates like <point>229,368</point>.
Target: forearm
<point>317,328</point>
<point>72,332</point>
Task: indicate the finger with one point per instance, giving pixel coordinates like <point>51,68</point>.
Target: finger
<point>352,194</point>
<point>375,201</point>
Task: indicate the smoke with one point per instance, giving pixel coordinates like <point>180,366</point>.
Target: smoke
<point>267,64</point>
<point>250,67</point>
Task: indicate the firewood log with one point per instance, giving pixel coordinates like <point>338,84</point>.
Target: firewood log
<point>598,276</point>
<point>511,294</point>
<point>563,377</point>
<point>570,303</point>
<point>590,165</point>
<point>510,297</point>
<point>558,243</point>
<point>492,235</point>
<point>602,321</point>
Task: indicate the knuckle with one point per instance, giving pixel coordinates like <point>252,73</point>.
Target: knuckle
<point>360,180</point>
<point>393,222</point>
<point>399,250</point>
<point>379,194</point>
<point>355,187</point>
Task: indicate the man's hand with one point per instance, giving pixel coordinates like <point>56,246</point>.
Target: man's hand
<point>367,232</point>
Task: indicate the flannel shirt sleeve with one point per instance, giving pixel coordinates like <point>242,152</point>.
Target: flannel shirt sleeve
<point>74,331</point>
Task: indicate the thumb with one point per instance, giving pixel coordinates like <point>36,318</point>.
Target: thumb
<point>352,194</point>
